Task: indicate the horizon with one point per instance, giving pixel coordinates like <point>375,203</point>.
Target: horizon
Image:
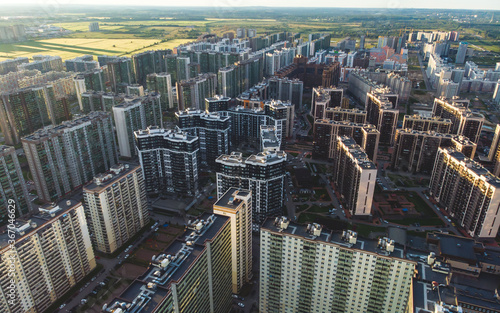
<point>448,5</point>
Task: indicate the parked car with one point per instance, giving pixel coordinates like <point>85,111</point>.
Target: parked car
<point>241,305</point>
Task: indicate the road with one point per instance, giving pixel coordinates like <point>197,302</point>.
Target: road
<point>108,266</point>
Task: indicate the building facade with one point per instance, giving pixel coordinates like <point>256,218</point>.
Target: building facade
<point>464,121</point>
<point>263,174</point>
<point>380,112</point>
<point>12,185</point>
<point>354,175</point>
<point>130,116</point>
<point>415,151</point>
<point>468,192</point>
<point>212,129</point>
<point>116,206</point>
<point>325,134</point>
<point>170,160</point>
<point>64,157</point>
<point>237,205</point>
<point>28,109</point>
<point>310,269</point>
<point>52,254</point>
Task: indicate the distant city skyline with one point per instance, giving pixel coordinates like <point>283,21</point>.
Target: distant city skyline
<point>491,5</point>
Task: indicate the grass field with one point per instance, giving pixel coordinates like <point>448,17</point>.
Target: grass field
<point>68,48</point>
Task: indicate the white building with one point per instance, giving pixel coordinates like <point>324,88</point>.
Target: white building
<point>130,116</point>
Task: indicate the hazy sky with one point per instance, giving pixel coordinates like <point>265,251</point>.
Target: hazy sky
<point>447,4</point>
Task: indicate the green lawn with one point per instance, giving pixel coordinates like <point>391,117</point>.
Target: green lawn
<point>435,221</point>
<point>365,230</point>
<point>301,208</point>
<point>308,218</point>
<point>319,209</point>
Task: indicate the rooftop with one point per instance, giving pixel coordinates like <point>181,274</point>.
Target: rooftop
<point>150,288</point>
<point>4,150</point>
<point>203,114</point>
<point>232,198</point>
<point>347,239</point>
<point>116,172</point>
<point>45,214</point>
<point>171,134</point>
<point>261,158</point>
<point>357,153</point>
<point>52,131</point>
<point>473,167</point>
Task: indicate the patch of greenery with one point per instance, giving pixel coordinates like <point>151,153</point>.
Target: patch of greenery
<point>319,209</point>
<point>365,230</point>
<point>301,208</point>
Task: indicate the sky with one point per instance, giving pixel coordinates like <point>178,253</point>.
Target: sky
<point>446,4</point>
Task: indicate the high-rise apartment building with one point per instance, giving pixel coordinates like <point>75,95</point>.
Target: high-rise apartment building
<point>12,185</point>
<point>468,192</point>
<point>99,101</point>
<point>11,65</point>
<point>149,62</point>
<point>351,115</point>
<point>362,82</point>
<point>354,175</point>
<point>324,98</point>
<point>285,89</point>
<point>229,81</point>
<point>51,254</point>
<point>64,157</point>
<point>212,129</point>
<point>177,67</point>
<point>93,80</point>
<point>193,274</point>
<point>120,73</point>
<point>116,206</point>
<point>43,63</point>
<point>94,27</point>
<point>26,110</point>
<point>263,174</point>
<point>237,205</point>
<point>325,134</point>
<point>380,112</point>
<point>311,269</point>
<point>494,154</point>
<point>82,63</point>
<point>134,115</point>
<point>162,84</point>
<point>135,90</point>
<point>268,139</point>
<point>217,103</point>
<point>415,151</point>
<point>464,121</point>
<point>169,159</point>
<point>245,123</point>
<point>191,93</point>
<point>422,123</point>
<point>461,53</point>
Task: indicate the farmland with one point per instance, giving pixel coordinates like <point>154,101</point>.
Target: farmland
<point>130,31</point>
<point>68,48</point>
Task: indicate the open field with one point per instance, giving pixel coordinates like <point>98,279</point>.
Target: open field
<point>68,48</point>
